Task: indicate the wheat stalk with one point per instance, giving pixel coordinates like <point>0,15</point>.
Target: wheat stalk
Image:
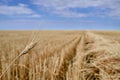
<point>25,51</point>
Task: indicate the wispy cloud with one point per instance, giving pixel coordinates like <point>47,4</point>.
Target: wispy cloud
<point>68,13</point>
<point>61,7</point>
<point>19,10</point>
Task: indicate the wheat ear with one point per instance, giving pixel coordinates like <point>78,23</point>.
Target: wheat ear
<point>26,50</point>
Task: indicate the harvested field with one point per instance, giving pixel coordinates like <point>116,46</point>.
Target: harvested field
<point>59,55</point>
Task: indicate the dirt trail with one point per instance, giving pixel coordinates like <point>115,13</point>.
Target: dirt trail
<point>91,62</point>
<point>67,59</point>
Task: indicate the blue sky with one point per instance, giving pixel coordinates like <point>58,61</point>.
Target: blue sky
<point>60,14</point>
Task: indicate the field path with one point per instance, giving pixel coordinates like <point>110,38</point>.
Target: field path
<point>91,54</point>
<point>68,59</point>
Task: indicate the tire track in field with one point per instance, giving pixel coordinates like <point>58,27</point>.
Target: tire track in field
<point>67,59</point>
<point>74,72</point>
<point>93,52</point>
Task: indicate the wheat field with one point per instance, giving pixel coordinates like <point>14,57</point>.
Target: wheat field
<point>60,55</point>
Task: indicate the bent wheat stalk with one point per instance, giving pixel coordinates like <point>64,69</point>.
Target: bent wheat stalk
<point>26,50</point>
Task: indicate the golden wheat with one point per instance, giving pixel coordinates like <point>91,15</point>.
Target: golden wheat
<point>26,50</point>
<point>60,55</point>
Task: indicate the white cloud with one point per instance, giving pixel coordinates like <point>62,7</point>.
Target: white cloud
<point>68,13</point>
<point>20,9</point>
<point>60,6</point>
<point>34,16</point>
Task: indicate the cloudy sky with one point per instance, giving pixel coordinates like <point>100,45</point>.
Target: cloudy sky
<point>60,14</point>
